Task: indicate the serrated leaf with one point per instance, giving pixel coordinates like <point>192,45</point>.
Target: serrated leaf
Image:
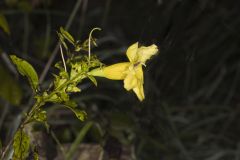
<point>4,24</point>
<point>26,69</point>
<point>92,79</point>
<point>21,145</point>
<point>67,35</point>
<point>9,88</point>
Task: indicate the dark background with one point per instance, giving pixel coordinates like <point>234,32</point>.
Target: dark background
<point>192,88</point>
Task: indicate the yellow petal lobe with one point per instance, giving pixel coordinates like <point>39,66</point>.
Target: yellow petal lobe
<point>139,92</point>
<point>130,81</point>
<point>132,52</point>
<point>139,74</point>
<point>145,53</point>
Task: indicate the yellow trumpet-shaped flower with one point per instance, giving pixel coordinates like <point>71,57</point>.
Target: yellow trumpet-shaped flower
<point>131,72</point>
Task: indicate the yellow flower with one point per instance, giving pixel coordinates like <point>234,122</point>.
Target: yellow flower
<point>131,72</point>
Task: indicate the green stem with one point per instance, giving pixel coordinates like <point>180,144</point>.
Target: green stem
<point>78,140</point>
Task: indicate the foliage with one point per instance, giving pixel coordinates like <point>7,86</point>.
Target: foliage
<point>21,145</point>
<point>71,73</point>
<point>26,69</point>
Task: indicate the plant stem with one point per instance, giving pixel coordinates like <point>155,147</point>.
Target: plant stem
<point>78,140</point>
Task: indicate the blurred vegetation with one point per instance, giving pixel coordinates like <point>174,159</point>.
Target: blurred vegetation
<point>191,110</point>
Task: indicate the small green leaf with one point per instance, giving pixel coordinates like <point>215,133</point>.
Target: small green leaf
<point>78,48</point>
<point>81,115</point>
<point>21,145</point>
<point>92,79</point>
<point>63,96</point>
<point>54,98</point>
<point>72,88</point>
<point>41,116</point>
<point>4,24</point>
<point>67,35</point>
<point>58,81</point>
<point>71,104</point>
<point>26,69</point>
<point>61,38</point>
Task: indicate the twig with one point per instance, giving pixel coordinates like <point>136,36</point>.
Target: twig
<point>89,43</point>
<point>63,59</point>
<point>6,149</point>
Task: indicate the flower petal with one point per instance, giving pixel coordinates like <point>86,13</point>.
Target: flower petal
<point>145,53</point>
<point>116,71</point>
<point>139,92</point>
<point>134,77</point>
<point>139,73</point>
<point>132,52</point>
<point>130,81</point>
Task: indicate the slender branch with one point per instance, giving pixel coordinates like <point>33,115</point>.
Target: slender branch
<point>89,43</point>
<point>64,63</point>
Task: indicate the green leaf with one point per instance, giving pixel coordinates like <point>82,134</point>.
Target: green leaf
<point>67,35</point>
<point>72,88</point>
<point>21,145</point>
<point>92,79</point>
<point>71,104</point>
<point>41,116</point>
<point>9,88</point>
<point>78,48</point>
<point>63,96</point>
<point>4,24</point>
<point>61,38</point>
<point>26,69</point>
<point>80,114</point>
<point>54,98</point>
